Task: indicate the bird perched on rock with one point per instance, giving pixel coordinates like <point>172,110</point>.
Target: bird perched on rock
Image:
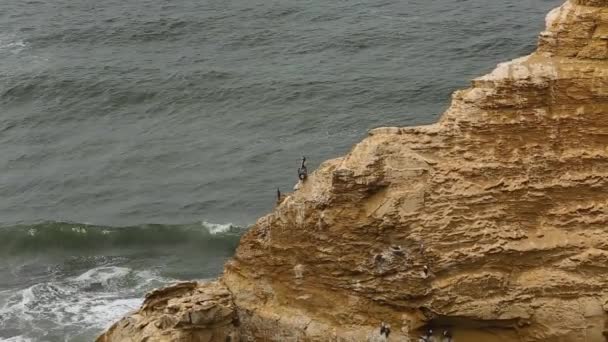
<point>447,336</point>
<point>303,171</point>
<point>279,196</point>
<point>428,337</point>
<point>385,330</point>
<point>425,271</point>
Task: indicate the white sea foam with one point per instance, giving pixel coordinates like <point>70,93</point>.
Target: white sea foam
<point>93,299</point>
<point>102,274</point>
<point>17,339</point>
<point>150,279</point>
<point>215,228</point>
<point>105,313</point>
<point>10,43</point>
<point>96,310</point>
<point>79,230</point>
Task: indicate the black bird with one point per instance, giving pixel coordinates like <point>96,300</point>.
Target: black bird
<point>426,337</point>
<point>278,195</point>
<point>303,171</point>
<point>387,330</point>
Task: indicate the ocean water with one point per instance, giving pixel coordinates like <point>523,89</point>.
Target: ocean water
<point>126,126</point>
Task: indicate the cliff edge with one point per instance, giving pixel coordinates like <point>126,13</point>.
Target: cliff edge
<point>491,223</point>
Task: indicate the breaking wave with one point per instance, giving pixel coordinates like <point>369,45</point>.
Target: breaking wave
<point>89,301</point>
<point>62,236</point>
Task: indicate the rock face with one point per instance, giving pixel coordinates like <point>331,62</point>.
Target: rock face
<point>504,201</point>
<point>186,311</point>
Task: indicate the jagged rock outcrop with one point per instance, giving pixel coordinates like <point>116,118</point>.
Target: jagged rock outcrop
<point>504,200</point>
<point>188,311</point>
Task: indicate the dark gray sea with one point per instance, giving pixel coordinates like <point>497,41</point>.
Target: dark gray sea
<point>139,137</point>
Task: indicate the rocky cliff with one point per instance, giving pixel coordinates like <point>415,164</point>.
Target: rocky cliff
<point>492,223</point>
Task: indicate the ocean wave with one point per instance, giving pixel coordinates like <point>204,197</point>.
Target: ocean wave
<point>214,228</point>
<point>67,237</point>
<point>91,300</point>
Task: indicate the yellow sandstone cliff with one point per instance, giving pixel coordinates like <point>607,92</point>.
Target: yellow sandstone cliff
<point>505,200</point>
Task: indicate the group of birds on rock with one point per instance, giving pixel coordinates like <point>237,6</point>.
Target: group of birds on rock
<point>446,336</point>
<point>302,176</point>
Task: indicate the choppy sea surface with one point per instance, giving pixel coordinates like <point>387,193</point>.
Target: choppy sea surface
<point>126,126</point>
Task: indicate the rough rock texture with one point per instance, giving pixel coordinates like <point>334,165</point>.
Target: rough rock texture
<point>505,200</point>
<point>189,311</point>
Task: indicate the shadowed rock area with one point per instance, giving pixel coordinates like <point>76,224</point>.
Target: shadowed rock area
<point>503,200</point>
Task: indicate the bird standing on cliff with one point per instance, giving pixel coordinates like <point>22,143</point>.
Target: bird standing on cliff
<point>428,337</point>
<point>278,196</point>
<point>425,271</point>
<point>387,330</point>
<point>303,171</point>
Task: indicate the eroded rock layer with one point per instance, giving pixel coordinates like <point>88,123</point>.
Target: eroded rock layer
<point>188,311</point>
<point>492,223</point>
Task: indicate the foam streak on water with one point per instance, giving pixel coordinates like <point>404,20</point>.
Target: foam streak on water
<point>11,44</point>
